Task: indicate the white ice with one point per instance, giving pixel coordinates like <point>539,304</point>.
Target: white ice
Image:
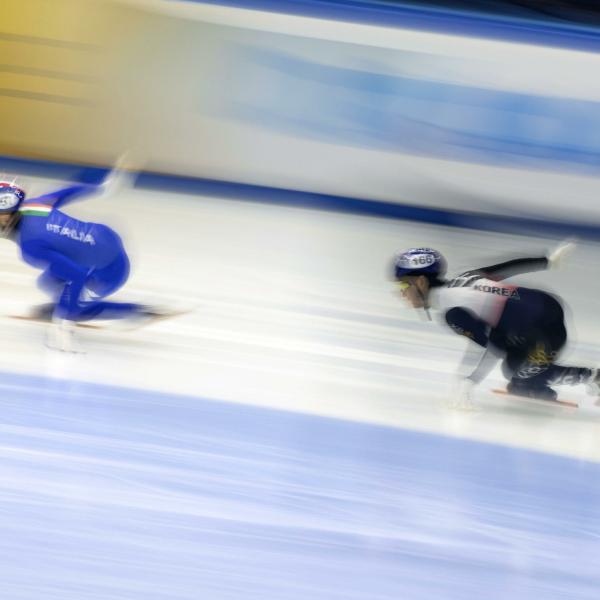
<point>170,479</point>
<point>292,309</point>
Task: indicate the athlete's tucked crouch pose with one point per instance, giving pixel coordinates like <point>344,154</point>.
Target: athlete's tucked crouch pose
<point>82,263</point>
<point>523,326</point>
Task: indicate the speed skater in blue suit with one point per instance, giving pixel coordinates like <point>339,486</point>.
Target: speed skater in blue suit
<point>82,263</point>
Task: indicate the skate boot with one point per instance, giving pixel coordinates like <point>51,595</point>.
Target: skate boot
<point>521,387</point>
<point>42,313</point>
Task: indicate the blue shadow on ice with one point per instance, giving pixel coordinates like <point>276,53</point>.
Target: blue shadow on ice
<point>110,492</point>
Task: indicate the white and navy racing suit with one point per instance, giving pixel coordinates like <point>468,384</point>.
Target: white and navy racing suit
<point>524,326</point>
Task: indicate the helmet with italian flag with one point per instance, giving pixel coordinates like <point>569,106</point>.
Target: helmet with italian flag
<point>11,197</point>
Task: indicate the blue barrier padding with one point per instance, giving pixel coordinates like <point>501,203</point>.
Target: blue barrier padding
<point>438,20</point>
<point>304,199</point>
<point>52,169</point>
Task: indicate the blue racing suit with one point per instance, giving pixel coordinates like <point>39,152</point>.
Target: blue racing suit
<point>82,262</point>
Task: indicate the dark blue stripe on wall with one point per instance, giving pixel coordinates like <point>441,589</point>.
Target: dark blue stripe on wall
<point>303,199</point>
<point>52,169</point>
<point>365,207</point>
<point>437,20</point>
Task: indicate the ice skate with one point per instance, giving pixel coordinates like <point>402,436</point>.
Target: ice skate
<point>517,387</point>
<point>148,315</point>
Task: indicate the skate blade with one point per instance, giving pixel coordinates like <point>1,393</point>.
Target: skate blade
<point>152,319</point>
<point>565,403</point>
<point>47,321</point>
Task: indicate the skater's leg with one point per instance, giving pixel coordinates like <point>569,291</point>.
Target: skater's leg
<point>51,285</point>
<point>534,372</point>
<point>102,283</point>
<point>103,310</point>
<point>531,368</point>
<point>565,375</point>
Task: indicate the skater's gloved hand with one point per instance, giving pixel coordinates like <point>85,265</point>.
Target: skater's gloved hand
<point>61,336</point>
<point>122,176</point>
<point>462,395</point>
<point>557,256</point>
<point>116,181</point>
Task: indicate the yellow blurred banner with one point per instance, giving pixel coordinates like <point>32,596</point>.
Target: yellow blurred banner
<point>74,77</point>
<point>50,71</point>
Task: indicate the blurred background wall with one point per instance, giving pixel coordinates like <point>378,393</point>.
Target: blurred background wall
<point>295,102</point>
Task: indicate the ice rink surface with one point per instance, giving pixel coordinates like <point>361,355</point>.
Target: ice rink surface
<point>290,437</point>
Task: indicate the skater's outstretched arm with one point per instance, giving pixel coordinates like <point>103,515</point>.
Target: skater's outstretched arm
<point>65,195</point>
<point>519,266</point>
<point>115,180</point>
<point>514,267</point>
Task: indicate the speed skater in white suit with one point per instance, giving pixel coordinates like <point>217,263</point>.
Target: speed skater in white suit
<point>522,326</point>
